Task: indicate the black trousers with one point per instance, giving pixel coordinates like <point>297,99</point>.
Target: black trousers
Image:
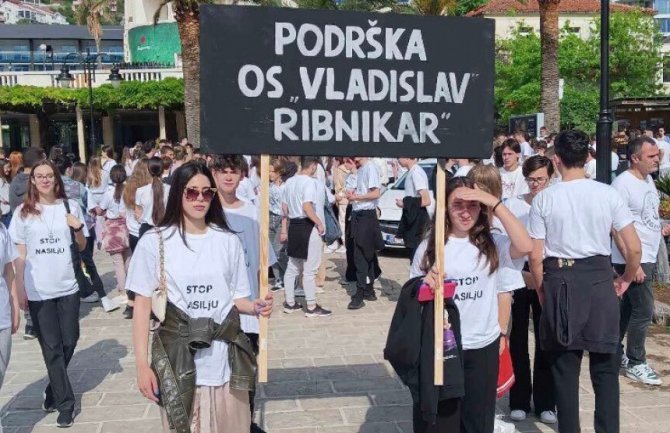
<point>542,385</point>
<point>604,369</point>
<point>86,256</point>
<point>478,409</point>
<point>350,273</point>
<point>448,418</point>
<point>254,345</point>
<point>57,324</point>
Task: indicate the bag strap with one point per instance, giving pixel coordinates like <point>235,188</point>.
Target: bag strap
<point>74,249</point>
<point>162,283</point>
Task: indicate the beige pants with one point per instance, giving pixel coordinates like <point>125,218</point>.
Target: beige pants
<point>217,409</point>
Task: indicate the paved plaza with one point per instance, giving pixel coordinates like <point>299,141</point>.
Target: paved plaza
<point>327,375</point>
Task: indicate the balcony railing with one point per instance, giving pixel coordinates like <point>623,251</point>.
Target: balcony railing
<point>48,78</point>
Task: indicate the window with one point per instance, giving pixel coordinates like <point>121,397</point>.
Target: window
<point>662,6</point>
<point>574,29</point>
<point>666,69</point>
<point>664,24</point>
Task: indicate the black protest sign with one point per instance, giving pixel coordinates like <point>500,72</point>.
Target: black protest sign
<point>315,82</point>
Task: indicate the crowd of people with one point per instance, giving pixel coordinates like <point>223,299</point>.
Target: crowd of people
<point>172,217</point>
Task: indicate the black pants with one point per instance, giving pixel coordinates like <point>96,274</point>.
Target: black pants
<point>637,313</point>
<point>604,369</point>
<point>350,274</point>
<point>86,256</point>
<point>478,409</point>
<point>254,345</point>
<point>57,324</point>
<point>542,385</point>
<point>145,228</point>
<point>448,418</point>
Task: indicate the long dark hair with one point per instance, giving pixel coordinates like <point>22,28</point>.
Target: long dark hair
<point>480,233</point>
<point>174,213</point>
<point>33,196</point>
<point>118,176</point>
<point>155,166</point>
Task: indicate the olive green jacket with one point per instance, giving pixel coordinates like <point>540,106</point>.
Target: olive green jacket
<point>172,352</point>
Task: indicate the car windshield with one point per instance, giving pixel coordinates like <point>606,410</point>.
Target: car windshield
<point>400,184</point>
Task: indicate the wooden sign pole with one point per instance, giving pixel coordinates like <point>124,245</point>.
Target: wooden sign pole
<point>440,195</point>
<point>263,268</point>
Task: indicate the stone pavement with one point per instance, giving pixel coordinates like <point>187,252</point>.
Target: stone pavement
<point>327,375</point>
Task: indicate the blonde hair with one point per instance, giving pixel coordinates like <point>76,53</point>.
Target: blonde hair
<point>487,177</point>
<point>139,177</point>
<point>94,177</point>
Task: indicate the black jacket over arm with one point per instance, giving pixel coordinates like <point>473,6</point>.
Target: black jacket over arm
<point>409,349</point>
<point>413,221</point>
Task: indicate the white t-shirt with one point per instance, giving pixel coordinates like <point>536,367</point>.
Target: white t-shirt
<point>202,280</point>
<point>615,161</point>
<point>114,210</point>
<point>416,180</point>
<point>4,197</point>
<point>132,223</point>
<point>590,169</point>
<point>244,221</point>
<point>144,197</point>
<point>665,160</point>
<point>477,290</point>
<point>107,169</point>
<point>513,183</point>
<point>367,178</point>
<point>511,278</point>
<point>642,199</point>
<point>48,273</point>
<point>95,193</point>
<point>575,218</point>
<point>463,171</point>
<point>7,255</point>
<point>299,189</point>
<point>245,191</point>
<point>526,150</point>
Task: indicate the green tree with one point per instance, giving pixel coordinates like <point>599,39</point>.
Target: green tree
<point>635,60</point>
<point>465,6</point>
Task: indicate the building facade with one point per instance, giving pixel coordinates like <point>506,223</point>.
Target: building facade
<point>34,47</point>
<point>29,11</point>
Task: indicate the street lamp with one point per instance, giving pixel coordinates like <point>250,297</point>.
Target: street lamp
<point>65,80</point>
<point>604,126</point>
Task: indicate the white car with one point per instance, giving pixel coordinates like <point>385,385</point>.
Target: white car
<point>391,213</point>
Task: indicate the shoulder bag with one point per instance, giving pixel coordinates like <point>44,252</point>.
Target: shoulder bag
<point>159,296</point>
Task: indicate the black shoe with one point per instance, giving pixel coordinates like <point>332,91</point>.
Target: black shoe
<point>29,333</point>
<point>317,311</point>
<point>256,429</point>
<point>356,303</point>
<point>48,403</point>
<point>128,312</point>
<point>288,309</point>
<point>369,293</point>
<point>65,419</point>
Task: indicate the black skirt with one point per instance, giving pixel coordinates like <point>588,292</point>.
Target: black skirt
<point>581,308</point>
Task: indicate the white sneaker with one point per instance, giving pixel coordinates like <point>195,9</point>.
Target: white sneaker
<point>330,249</point>
<point>341,250</point>
<point>92,298</point>
<point>643,373</point>
<point>624,361</point>
<point>109,305</point>
<point>518,415</point>
<point>500,426</point>
<point>121,299</point>
<point>548,417</point>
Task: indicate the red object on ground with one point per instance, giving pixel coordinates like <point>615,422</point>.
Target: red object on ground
<point>505,373</point>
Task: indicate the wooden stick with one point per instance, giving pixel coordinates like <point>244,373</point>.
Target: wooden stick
<point>263,268</point>
<point>440,194</point>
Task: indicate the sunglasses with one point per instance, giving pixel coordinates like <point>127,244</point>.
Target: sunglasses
<point>192,194</point>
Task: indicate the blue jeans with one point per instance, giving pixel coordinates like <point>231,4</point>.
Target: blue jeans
<point>279,268</point>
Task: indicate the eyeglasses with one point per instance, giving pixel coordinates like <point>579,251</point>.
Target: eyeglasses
<point>536,180</point>
<point>44,176</point>
<point>192,194</point>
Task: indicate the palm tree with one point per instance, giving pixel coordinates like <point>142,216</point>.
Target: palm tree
<point>187,15</point>
<point>549,34</point>
<point>435,7</point>
<point>91,13</point>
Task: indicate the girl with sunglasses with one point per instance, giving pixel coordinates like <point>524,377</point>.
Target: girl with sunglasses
<point>207,289</point>
<point>44,228</point>
<point>473,256</point>
<point>150,199</point>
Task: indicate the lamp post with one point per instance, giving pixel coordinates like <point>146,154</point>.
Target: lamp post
<point>604,126</point>
<point>65,80</point>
